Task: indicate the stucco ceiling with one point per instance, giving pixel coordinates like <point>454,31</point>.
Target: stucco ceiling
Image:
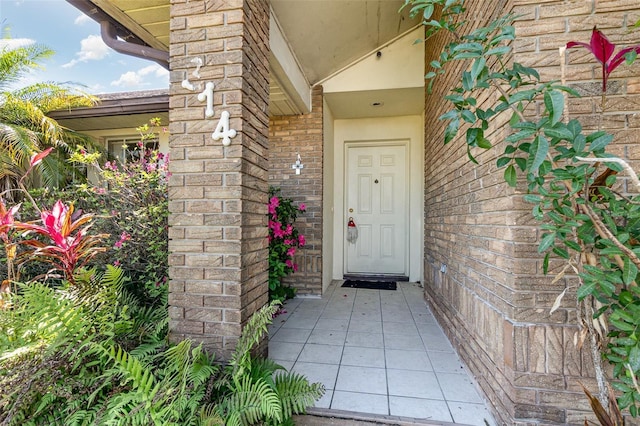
<point>324,35</point>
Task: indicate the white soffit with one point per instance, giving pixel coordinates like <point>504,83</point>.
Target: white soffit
<point>291,92</point>
<point>388,81</point>
<point>398,64</point>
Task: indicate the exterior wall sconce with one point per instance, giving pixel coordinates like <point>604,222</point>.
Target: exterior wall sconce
<point>297,166</point>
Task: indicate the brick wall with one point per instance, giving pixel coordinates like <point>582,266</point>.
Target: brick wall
<point>217,194</point>
<point>288,136</point>
<point>493,300</point>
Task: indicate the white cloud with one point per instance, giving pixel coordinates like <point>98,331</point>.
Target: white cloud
<point>128,79</point>
<point>92,48</point>
<point>140,77</point>
<point>14,43</point>
<point>82,19</point>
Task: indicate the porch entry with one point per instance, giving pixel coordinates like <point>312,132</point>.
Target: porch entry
<point>377,199</point>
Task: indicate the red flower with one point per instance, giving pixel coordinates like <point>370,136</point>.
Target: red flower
<point>6,218</point>
<point>603,49</point>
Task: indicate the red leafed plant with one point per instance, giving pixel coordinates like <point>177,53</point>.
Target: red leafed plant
<point>72,246</point>
<point>603,49</point>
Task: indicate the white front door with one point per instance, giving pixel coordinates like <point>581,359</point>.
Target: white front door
<point>377,200</point>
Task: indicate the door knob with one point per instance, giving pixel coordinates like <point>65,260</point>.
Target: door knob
<point>350,210</point>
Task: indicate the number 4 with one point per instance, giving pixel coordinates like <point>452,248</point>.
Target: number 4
<point>223,131</point>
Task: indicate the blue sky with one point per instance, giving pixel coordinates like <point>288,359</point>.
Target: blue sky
<point>80,54</point>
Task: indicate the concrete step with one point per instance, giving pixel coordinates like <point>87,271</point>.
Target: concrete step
<point>326,417</point>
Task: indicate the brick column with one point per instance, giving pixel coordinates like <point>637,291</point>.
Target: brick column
<point>217,194</point>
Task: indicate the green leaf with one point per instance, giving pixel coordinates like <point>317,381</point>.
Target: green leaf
<point>532,198</point>
<point>554,102</point>
<point>622,325</point>
<point>538,152</point>
<point>630,271</point>
<point>545,263</point>
<point>510,175</point>
<point>599,140</point>
<point>467,81</point>
<point>428,11</point>
<point>451,131</point>
<point>521,162</point>
<point>498,51</point>
<point>572,245</point>
<point>468,116</point>
<point>470,155</point>
<point>503,161</point>
<point>585,290</point>
<point>547,241</point>
<point>563,253</point>
<point>477,67</point>
<point>559,131</point>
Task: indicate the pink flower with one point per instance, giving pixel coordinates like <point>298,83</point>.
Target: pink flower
<point>301,240</point>
<point>289,230</point>
<point>289,242</point>
<point>295,267</point>
<point>116,263</point>
<point>603,49</point>
<point>291,251</point>
<point>274,202</point>
<point>289,263</point>
<point>124,237</point>
<point>302,207</point>
<point>278,232</point>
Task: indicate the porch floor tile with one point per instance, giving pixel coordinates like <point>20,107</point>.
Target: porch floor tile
<point>377,352</point>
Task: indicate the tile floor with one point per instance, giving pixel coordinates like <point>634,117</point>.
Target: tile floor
<point>377,352</point>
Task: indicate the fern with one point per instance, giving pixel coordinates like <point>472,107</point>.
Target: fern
<point>296,393</point>
<point>249,402</point>
<point>91,354</point>
<point>253,332</point>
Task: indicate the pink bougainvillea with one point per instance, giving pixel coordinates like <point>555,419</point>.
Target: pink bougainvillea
<point>284,240</point>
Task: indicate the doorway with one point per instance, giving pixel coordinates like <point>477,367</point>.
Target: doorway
<point>396,145</point>
<point>376,194</point>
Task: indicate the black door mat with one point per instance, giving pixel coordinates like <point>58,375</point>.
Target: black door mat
<point>373,285</point>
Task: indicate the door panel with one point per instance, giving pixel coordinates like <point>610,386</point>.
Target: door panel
<point>376,198</point>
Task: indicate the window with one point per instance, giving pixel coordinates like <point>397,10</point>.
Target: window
<point>126,149</point>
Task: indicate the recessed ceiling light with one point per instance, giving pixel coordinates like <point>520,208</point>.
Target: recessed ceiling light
<point>377,104</point>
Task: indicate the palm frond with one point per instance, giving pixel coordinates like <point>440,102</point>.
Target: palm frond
<point>14,62</point>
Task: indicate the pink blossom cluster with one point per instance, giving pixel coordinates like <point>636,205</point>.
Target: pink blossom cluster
<point>284,233</point>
